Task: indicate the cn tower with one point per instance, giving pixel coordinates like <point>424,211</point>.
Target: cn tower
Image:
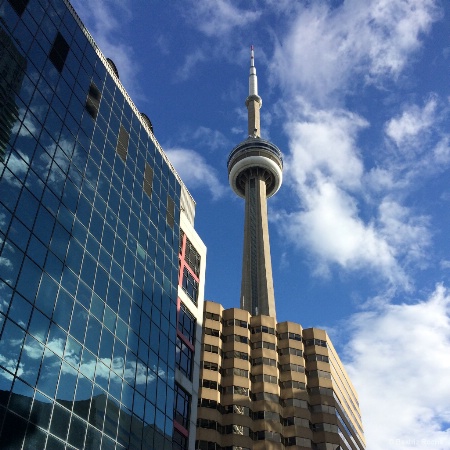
<point>255,173</point>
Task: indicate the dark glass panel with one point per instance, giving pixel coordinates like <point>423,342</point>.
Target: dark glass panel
<point>60,241</point>
<point>97,307</point>
<point>93,438</point>
<point>66,385</point>
<point>51,201</point>
<point>127,396</point>
<point>53,125</point>
<point>20,311</point>
<point>92,246</point>
<point>23,36</point>
<point>138,405</point>
<point>113,295</point>
<point>101,283</point>
<point>109,319</point>
<point>106,346</point>
<point>39,326</point>
<point>84,294</point>
<point>41,411</point>
<point>133,342</point>
<point>35,438</point>
<point>13,432</point>
<point>44,225</point>
<point>77,432</point>
<point>12,260</point>
<point>21,399</point>
<point>53,266</point>
<point>9,189</point>
<point>122,330</point>
<point>48,376</point>
<point>82,397</point>
<point>93,335</point>
<point>19,6</point>
<point>57,340</point>
<point>27,208</point>
<point>88,270</point>
<point>79,232</point>
<point>144,331</point>
<point>69,280</point>
<point>54,443</point>
<point>60,422</point>
<point>79,321</point>
<point>59,51</point>
<point>11,345</point>
<point>63,309</point>
<point>29,280</point>
<point>115,385</point>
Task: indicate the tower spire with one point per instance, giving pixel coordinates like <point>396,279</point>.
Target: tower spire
<point>253,79</point>
<point>255,173</point>
<point>253,101</point>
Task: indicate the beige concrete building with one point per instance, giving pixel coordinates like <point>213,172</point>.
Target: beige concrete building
<point>269,385</point>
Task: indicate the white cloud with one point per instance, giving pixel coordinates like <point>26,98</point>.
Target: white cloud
<point>5,262</point>
<point>402,130</point>
<point>205,138</point>
<point>57,346</point>
<point>344,213</point>
<point>326,171</point>
<point>18,166</point>
<point>325,168</point>
<point>195,171</point>
<point>219,17</point>
<point>331,229</point>
<point>213,139</point>
<point>190,61</point>
<point>325,47</point>
<point>10,364</point>
<point>441,153</point>
<point>408,234</point>
<point>397,357</point>
<point>322,144</point>
<point>418,144</point>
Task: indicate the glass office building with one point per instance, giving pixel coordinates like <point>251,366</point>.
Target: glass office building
<point>89,241</point>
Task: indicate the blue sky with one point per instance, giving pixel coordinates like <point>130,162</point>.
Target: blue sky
<point>356,95</point>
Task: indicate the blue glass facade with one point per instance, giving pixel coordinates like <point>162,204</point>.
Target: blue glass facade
<point>89,238</point>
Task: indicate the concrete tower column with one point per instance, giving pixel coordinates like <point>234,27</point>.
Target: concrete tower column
<point>255,173</point>
<point>257,294</point>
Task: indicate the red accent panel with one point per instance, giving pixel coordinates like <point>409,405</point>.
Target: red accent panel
<point>183,264</point>
<point>181,260</point>
<point>180,428</point>
<point>185,340</point>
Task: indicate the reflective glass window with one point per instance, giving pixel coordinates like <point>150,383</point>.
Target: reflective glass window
<point>59,51</point>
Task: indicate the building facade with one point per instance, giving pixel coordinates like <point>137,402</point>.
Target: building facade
<point>101,303</point>
<point>191,286</point>
<point>273,386</point>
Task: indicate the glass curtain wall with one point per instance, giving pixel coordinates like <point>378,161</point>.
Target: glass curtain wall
<point>88,258</point>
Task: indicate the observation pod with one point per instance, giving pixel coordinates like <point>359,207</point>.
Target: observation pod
<point>255,156</point>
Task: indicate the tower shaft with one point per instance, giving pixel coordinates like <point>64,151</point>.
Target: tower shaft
<point>255,173</point>
<point>257,294</point>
